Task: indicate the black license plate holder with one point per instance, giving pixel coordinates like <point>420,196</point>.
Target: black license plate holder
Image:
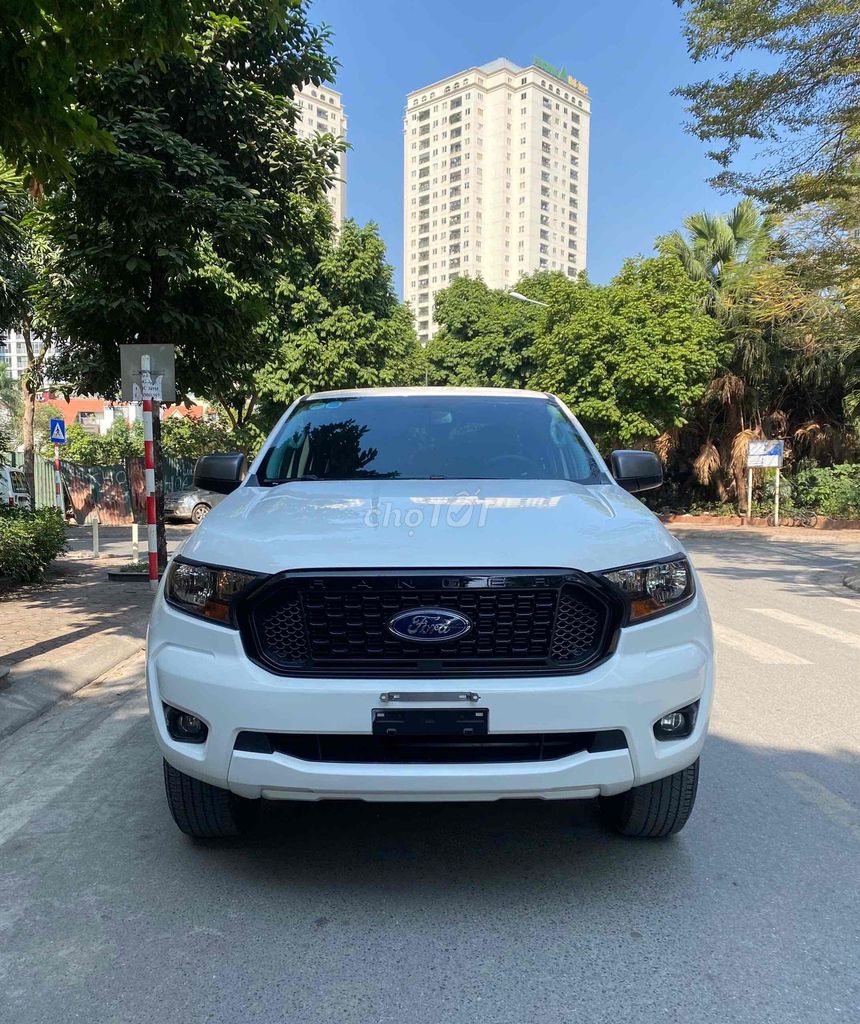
<point>430,721</point>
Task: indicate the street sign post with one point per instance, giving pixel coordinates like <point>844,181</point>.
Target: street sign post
<point>159,382</point>
<point>148,376</point>
<point>58,437</point>
<point>764,455</point>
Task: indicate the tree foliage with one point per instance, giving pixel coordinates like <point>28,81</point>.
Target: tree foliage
<point>485,337</point>
<point>633,357</point>
<point>182,438</point>
<point>181,235</point>
<point>803,112</point>
<point>341,326</point>
<point>45,47</point>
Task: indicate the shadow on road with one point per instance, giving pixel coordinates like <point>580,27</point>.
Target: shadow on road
<point>498,912</point>
<point>743,556</point>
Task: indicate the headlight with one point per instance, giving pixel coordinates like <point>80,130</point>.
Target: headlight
<point>206,590</point>
<point>650,590</point>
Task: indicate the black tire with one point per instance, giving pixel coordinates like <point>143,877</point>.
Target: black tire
<point>204,811</point>
<point>655,810</point>
<point>199,513</point>
<point>808,518</point>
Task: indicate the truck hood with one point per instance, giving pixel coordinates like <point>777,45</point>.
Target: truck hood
<point>429,524</point>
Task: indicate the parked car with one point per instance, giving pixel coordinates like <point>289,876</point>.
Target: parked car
<point>13,488</point>
<point>430,594</point>
<point>193,503</point>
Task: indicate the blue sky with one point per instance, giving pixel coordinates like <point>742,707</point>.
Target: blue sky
<point>646,172</point>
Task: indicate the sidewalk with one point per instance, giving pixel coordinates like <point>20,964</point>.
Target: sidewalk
<point>62,634</point>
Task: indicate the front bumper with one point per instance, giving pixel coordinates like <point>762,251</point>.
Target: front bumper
<point>658,667</point>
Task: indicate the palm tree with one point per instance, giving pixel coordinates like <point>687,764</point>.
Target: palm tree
<point>783,377</point>
<point>722,250</point>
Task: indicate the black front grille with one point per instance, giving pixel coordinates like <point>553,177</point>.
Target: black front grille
<point>337,624</point>
<point>491,749</point>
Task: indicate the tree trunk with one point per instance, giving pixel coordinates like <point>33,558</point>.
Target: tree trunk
<point>28,417</point>
<point>161,532</point>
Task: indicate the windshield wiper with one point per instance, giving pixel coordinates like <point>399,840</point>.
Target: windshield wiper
<point>288,479</point>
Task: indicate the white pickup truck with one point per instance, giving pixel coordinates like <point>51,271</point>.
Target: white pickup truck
<point>430,594</point>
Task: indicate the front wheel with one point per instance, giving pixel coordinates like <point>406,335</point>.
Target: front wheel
<point>199,513</point>
<point>204,811</point>
<point>655,810</point>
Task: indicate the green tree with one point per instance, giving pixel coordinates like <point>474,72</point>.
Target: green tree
<point>182,235</point>
<point>340,327</point>
<point>722,250</point>
<point>186,438</point>
<point>802,112</point>
<point>485,337</point>
<point>781,374</point>
<point>45,50</point>
<point>26,258</point>
<point>10,394</point>
<point>633,357</point>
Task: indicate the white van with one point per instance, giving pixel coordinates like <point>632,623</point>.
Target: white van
<point>13,488</point>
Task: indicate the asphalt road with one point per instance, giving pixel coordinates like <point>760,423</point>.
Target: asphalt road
<point>517,913</point>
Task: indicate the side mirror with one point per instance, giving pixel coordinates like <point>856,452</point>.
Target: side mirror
<point>220,473</point>
<point>636,471</point>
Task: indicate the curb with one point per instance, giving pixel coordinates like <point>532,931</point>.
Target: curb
<point>35,685</point>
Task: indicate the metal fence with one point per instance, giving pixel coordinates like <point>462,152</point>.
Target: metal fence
<point>115,492</point>
<point>44,477</point>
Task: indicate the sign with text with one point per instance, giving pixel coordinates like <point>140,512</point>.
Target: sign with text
<point>765,454</point>
<point>159,384</point>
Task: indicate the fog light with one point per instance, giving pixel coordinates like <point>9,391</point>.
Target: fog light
<point>185,727</point>
<point>677,724</point>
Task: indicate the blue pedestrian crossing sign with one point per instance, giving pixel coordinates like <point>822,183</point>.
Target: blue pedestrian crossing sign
<point>58,431</point>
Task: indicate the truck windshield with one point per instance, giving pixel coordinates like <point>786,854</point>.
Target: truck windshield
<point>429,437</point>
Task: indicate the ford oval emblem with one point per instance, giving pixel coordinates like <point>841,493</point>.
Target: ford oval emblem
<point>429,625</point>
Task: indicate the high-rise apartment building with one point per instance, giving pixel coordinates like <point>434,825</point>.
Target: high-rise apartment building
<point>495,179</point>
<point>321,111</point>
<point>13,353</point>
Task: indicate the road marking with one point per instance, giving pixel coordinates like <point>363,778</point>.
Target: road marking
<point>831,805</point>
<point>828,632</point>
<point>758,650</point>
